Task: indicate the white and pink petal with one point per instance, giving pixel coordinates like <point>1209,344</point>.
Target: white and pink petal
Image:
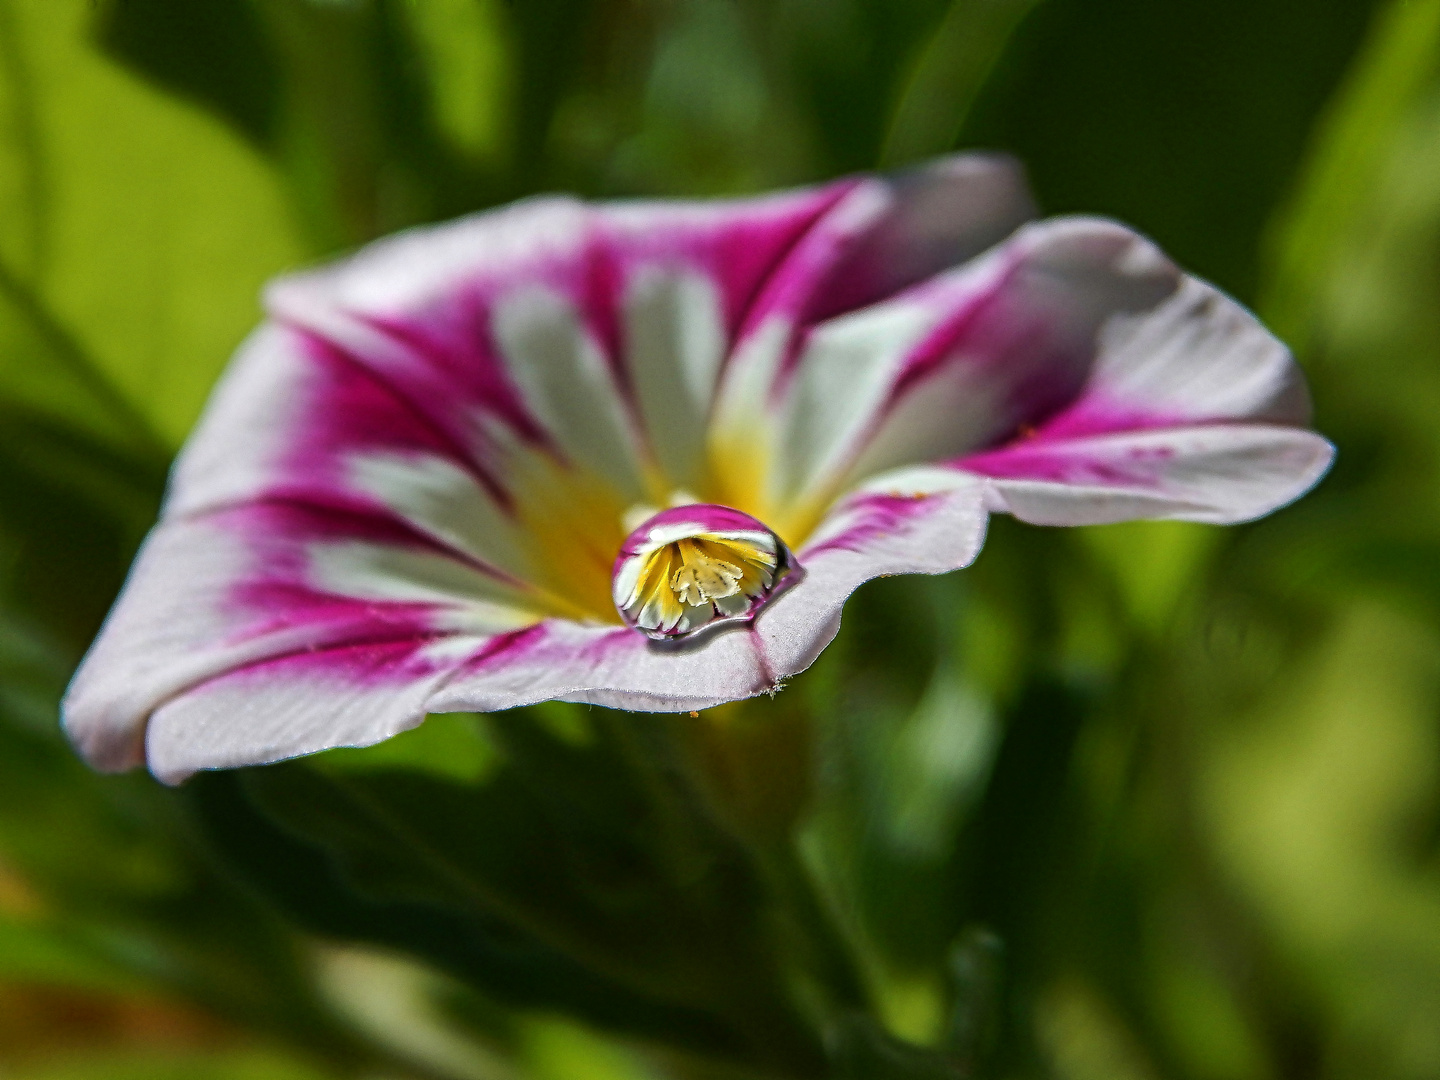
<point>1221,473</point>
<point>300,703</point>
<point>409,493</point>
<point>958,361</point>
<point>218,594</point>
<point>1043,365</point>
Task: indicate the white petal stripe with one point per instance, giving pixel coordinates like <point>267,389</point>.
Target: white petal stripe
<point>567,383</point>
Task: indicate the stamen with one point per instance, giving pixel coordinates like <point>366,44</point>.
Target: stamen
<point>696,565</point>
<point>703,578</point>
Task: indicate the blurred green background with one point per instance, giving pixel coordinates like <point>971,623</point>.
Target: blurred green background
<point>1143,802</point>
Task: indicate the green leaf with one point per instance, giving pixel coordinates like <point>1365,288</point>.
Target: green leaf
<point>579,875</point>
<point>215,53</point>
<point>46,951</point>
<point>359,138</point>
<point>455,746</point>
<point>1185,119</point>
<point>549,53</point>
<point>308,866</point>
<point>907,740</point>
<point>208,1065</point>
<point>465,49</point>
<point>947,77</point>
<point>1356,141</point>
<point>135,233</point>
<point>33,668</point>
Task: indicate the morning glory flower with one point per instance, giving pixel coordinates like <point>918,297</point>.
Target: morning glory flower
<point>639,454</point>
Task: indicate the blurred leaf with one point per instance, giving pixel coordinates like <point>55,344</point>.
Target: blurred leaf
<point>1156,565</point>
<point>1318,781</point>
<point>550,36</point>
<point>417,1011</point>
<point>358,140</point>
<point>832,71</point>
<point>863,1052</point>
<point>215,53</point>
<point>1186,119</point>
<point>623,921</point>
<point>1313,802</point>
<point>1086,1040</point>
<point>1352,147</point>
<point>207,1065</point>
<point>33,669</point>
<point>708,123</point>
<point>465,46</point>
<point>35,949</point>
<point>455,746</point>
<point>553,1049</point>
<point>123,892</point>
<point>135,237</point>
<point>947,77</point>
<point>46,371</point>
<point>71,513</point>
<point>109,889</point>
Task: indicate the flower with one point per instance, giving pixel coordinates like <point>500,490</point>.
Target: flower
<point>639,453</point>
